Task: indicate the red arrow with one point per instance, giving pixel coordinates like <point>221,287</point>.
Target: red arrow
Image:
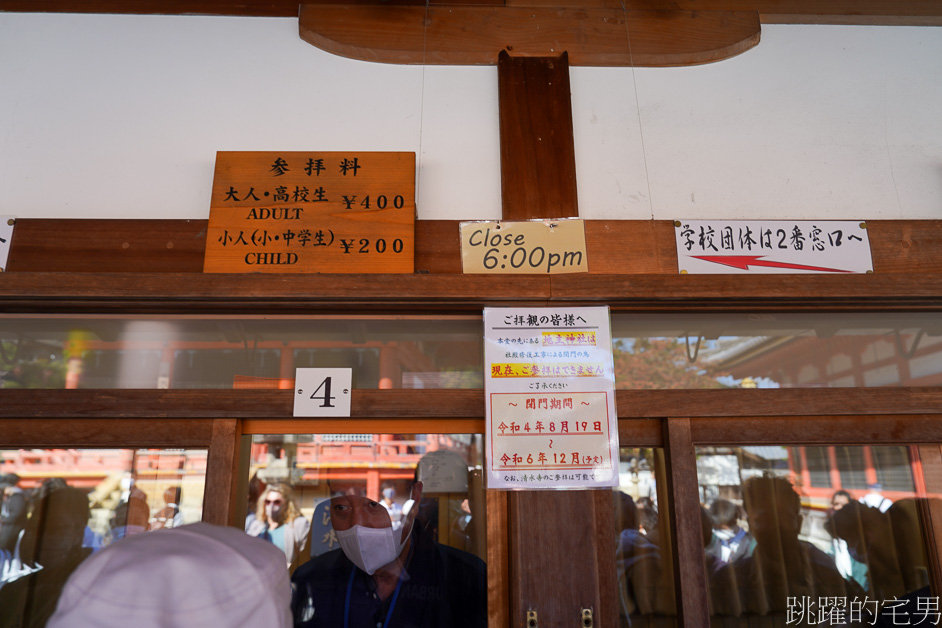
<point>743,262</point>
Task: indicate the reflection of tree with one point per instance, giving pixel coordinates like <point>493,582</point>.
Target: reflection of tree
<point>658,364</point>
<point>30,370</point>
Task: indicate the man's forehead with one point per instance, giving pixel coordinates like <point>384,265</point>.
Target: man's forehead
<point>351,488</point>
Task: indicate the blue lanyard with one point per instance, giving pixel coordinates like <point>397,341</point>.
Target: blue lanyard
<point>392,604</point>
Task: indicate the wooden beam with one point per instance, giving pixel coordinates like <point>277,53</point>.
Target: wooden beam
<point>799,414</point>
<point>537,156</point>
<point>238,8</point>
<point>219,497</point>
<point>542,578</point>
<point>474,35</point>
<point>872,12</point>
<point>693,607</point>
<point>841,12</point>
<point>191,293</point>
<point>614,247</point>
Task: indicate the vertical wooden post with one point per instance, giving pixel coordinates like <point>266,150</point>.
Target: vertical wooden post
<point>563,556</point>
<point>537,155</point>
<point>220,497</point>
<point>693,608</point>
<point>562,542</point>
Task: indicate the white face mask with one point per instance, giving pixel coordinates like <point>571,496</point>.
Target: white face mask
<point>372,548</point>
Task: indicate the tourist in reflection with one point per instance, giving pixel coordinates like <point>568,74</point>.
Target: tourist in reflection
<point>382,577</point>
<point>850,567</point>
<point>13,511</point>
<point>392,507</point>
<point>194,576</point>
<point>889,543</point>
<point>278,520</point>
<point>729,541</point>
<point>875,499</point>
<point>50,550</point>
<point>642,588</point>
<point>131,516</point>
<point>782,567</point>
<point>169,516</point>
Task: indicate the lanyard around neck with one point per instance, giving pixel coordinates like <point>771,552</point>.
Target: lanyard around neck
<point>392,604</point>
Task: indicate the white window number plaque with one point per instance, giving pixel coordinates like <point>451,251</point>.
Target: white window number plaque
<point>322,392</point>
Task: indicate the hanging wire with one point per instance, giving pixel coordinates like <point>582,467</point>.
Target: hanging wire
<point>696,350</point>
<point>908,353</point>
<point>634,80</point>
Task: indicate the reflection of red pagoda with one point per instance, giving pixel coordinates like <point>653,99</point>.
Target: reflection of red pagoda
<point>88,468</point>
<point>376,459</point>
<point>859,361</point>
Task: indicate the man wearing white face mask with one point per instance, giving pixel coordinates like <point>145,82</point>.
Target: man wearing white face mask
<point>386,578</point>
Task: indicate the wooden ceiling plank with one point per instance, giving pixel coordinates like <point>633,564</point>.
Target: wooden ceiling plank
<point>838,12</point>
<point>242,8</point>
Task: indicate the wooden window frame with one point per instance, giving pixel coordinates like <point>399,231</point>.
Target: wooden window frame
<point>676,420</point>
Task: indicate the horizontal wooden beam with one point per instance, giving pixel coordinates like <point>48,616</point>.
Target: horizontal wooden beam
<point>613,247</point>
<point>236,8</point>
<point>191,293</point>
<point>438,405</point>
<point>841,12</point>
<point>819,430</point>
<point>868,12</point>
<point>474,35</point>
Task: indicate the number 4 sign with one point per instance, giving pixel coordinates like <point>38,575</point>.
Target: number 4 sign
<point>322,392</point>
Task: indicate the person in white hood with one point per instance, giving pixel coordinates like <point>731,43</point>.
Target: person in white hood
<point>197,575</point>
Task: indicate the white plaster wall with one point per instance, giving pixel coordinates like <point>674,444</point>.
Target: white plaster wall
<point>121,116</point>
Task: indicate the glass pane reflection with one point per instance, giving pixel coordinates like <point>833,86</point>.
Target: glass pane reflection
<point>793,539</point>
<point>377,529</point>
<point>237,352</point>
<point>863,350</point>
<point>59,506</point>
<point>644,549</point>
<point>305,470</point>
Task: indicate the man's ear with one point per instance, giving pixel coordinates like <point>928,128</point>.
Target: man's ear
<point>417,492</point>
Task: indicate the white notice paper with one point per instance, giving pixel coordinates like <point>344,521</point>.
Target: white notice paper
<point>550,391</point>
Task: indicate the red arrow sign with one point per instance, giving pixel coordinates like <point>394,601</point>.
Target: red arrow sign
<point>743,262</point>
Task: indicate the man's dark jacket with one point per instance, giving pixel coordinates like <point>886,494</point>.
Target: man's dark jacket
<point>445,587</point>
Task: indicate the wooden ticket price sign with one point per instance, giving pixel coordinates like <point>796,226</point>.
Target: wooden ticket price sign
<point>312,212</point>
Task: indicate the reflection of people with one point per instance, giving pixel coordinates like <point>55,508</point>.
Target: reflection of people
<point>169,516</point>
<point>729,540</point>
<point>393,508</point>
<point>875,499</point>
<point>642,588</point>
<point>782,567</point>
<point>850,567</point>
<point>52,547</point>
<point>13,511</point>
<point>278,520</point>
<point>386,578</point>
<point>890,543</point>
<point>194,576</point>
<point>130,516</point>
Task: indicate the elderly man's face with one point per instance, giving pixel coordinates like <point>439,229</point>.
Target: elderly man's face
<point>349,506</point>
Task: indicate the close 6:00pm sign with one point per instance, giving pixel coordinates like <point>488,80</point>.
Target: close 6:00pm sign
<point>525,247</point>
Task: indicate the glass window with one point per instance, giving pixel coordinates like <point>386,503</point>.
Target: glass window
<point>61,505</point>
<point>782,550</point>
<point>644,551</point>
<point>237,352</point>
<point>777,350</point>
<point>375,525</point>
